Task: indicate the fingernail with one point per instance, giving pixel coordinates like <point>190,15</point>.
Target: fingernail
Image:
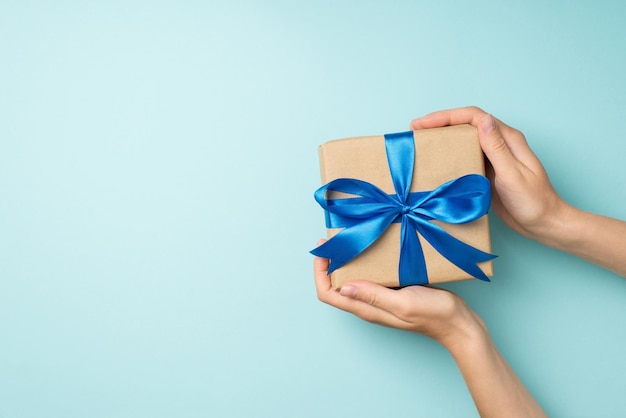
<point>488,124</point>
<point>416,122</point>
<point>348,291</point>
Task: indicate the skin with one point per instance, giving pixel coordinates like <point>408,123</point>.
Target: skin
<point>525,200</point>
<point>444,317</point>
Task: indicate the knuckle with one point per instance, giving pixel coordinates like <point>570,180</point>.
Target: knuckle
<point>404,311</point>
<point>498,144</point>
<point>370,298</point>
<point>321,296</point>
<point>495,144</point>
<point>519,134</point>
<point>475,109</point>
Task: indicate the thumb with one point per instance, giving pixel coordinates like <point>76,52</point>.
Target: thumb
<point>372,294</point>
<point>494,145</point>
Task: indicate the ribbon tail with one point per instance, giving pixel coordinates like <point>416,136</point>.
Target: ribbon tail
<point>352,241</point>
<point>412,266</point>
<point>454,250</point>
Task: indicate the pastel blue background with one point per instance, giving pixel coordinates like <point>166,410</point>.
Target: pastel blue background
<point>157,165</point>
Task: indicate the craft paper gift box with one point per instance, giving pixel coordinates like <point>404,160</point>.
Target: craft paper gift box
<point>441,155</point>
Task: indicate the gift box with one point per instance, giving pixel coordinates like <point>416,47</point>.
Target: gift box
<point>406,208</point>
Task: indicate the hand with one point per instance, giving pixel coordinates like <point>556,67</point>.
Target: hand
<point>443,316</point>
<point>523,195</point>
<point>435,313</point>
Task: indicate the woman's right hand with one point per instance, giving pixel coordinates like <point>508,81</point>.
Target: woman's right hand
<point>523,195</point>
<point>525,199</point>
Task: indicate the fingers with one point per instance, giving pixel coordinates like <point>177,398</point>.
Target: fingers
<point>363,310</point>
<point>492,141</point>
<point>415,308</point>
<point>418,309</point>
<point>320,273</point>
<point>504,146</point>
<point>369,293</point>
<point>373,303</point>
<point>495,146</point>
<point>448,117</point>
<point>471,115</point>
<point>375,295</point>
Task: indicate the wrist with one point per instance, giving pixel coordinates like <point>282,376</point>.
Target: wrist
<point>471,344</point>
<point>559,231</point>
<point>464,331</point>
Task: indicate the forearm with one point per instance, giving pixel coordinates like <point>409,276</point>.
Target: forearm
<point>494,386</point>
<point>595,238</point>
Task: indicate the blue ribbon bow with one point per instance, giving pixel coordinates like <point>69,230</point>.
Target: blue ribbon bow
<point>365,218</point>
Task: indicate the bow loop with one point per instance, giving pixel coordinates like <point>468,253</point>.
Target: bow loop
<point>373,200</point>
<point>458,201</point>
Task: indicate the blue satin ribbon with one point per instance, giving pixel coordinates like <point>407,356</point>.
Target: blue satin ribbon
<point>366,217</point>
